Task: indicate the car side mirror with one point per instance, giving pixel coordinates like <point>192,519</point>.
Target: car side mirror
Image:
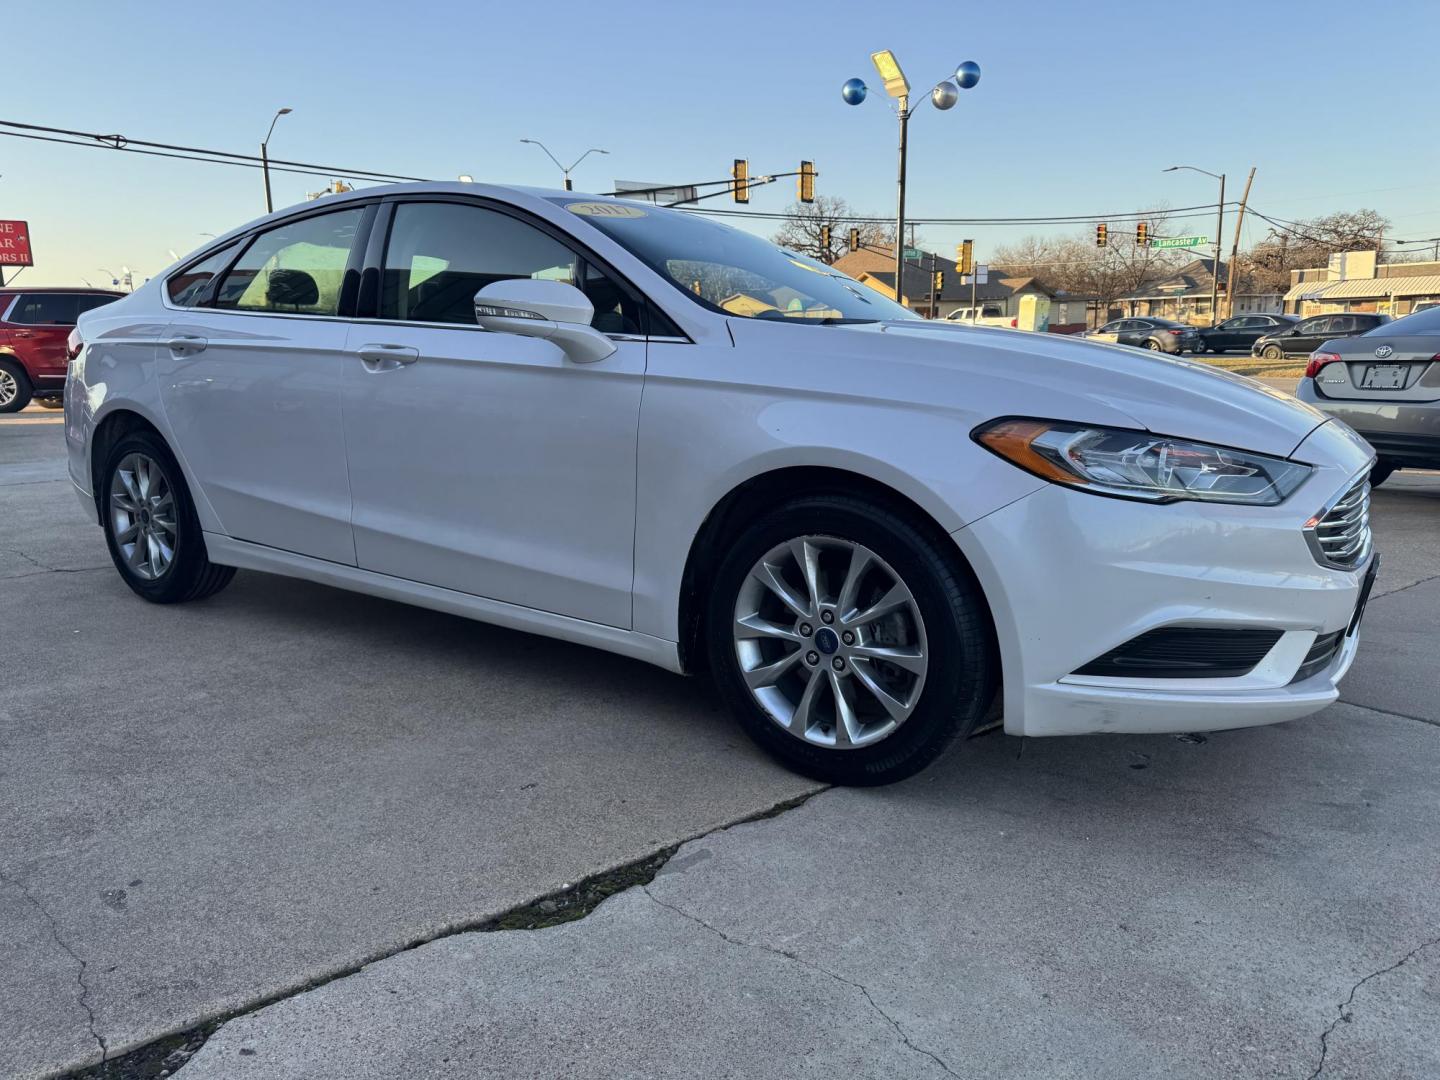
<point>553,310</point>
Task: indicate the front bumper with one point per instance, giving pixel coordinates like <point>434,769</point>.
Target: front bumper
<point>1070,576</point>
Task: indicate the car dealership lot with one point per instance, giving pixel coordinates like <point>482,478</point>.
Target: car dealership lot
<point>212,806</point>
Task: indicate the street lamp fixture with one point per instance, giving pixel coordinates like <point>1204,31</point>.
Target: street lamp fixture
<point>565,169</point>
<point>265,154</point>
<point>944,96</point>
<point>1219,229</point>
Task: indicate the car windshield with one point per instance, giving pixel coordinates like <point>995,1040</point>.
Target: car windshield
<point>1422,322</point>
<point>734,272</point>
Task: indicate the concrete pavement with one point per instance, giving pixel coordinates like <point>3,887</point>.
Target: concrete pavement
<point>1083,908</point>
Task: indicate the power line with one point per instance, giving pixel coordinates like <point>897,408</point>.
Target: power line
<point>99,141</point>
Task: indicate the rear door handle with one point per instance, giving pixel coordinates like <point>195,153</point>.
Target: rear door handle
<point>183,344</point>
<point>387,357</point>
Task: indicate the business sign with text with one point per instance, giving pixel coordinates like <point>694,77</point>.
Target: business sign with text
<point>15,244</point>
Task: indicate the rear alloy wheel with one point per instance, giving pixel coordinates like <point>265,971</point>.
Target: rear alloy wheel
<point>1273,352</point>
<point>150,525</point>
<point>15,389</point>
<point>1153,345</point>
<point>823,629</point>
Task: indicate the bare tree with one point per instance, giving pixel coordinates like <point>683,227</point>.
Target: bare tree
<point>1310,243</point>
<point>1074,263</point>
<point>802,229</point>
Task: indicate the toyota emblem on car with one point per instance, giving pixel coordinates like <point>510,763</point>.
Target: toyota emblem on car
<point>1383,351</point>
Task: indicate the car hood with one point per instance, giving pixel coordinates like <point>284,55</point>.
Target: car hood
<point>1012,372</point>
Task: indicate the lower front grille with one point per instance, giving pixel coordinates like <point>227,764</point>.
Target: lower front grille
<point>1339,535</point>
<point>1319,656</point>
<point>1186,652</point>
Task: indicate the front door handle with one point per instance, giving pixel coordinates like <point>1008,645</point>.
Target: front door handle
<point>186,344</point>
<point>23,333</point>
<point>387,357</point>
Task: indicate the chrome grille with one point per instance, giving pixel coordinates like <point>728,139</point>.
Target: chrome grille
<point>1339,535</point>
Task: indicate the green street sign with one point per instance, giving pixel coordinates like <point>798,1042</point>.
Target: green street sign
<point>913,253</point>
<point>1179,241</point>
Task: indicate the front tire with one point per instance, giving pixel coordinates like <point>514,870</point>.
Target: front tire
<point>15,387</point>
<point>1273,352</point>
<point>150,524</point>
<point>849,644</point>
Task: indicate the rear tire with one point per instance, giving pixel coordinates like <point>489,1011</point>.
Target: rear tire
<point>15,387</point>
<point>150,525</point>
<point>1153,345</point>
<point>50,402</point>
<point>1380,472</point>
<point>936,626</point>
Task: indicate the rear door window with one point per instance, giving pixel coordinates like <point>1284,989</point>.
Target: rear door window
<point>189,286</point>
<point>297,268</point>
<point>45,309</point>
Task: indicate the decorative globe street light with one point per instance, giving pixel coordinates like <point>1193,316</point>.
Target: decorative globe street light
<point>943,97</point>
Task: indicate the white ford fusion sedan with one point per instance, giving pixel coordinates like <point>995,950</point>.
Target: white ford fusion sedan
<point>642,430</point>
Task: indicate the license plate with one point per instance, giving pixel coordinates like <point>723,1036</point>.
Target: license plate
<point>1365,587</point>
<point>1384,377</point>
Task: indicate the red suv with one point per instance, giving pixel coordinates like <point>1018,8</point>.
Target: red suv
<point>34,324</point>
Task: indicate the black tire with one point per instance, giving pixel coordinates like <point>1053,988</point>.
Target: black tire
<point>1380,472</point>
<point>23,388</point>
<point>963,671</point>
<point>190,574</point>
<point>1201,347</point>
<point>50,402</point>
<point>1273,352</point>
<point>1153,345</point>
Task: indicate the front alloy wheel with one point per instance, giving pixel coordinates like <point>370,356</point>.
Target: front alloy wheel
<point>849,638</point>
<point>830,641</point>
<point>1273,352</point>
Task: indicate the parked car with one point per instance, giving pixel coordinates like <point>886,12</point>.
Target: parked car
<point>1157,335</point>
<point>34,324</point>
<point>1242,331</point>
<point>983,315</point>
<point>1305,336</point>
<point>535,409</point>
<point>1385,384</point>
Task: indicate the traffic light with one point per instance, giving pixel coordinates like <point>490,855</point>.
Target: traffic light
<point>741,175</point>
<point>825,238</point>
<point>965,256</point>
<point>854,240</point>
<point>807,181</point>
<point>939,282</point>
<point>1102,235</point>
<point>1142,234</point>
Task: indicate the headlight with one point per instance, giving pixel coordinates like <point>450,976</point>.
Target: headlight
<point>1140,465</point>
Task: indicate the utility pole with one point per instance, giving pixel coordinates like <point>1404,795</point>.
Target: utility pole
<point>1219,248</point>
<point>1235,248</point>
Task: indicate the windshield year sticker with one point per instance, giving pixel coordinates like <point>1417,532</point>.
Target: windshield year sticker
<point>600,209</point>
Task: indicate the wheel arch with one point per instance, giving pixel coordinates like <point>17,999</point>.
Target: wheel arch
<point>110,429</point>
<point>753,496</point>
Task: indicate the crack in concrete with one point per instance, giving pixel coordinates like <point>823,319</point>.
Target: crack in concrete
<point>1345,1016</point>
<point>84,996</point>
<point>760,946</point>
<point>1388,712</point>
<point>43,568</point>
<point>1406,588</point>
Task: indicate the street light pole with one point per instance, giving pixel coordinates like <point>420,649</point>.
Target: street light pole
<point>265,156</point>
<point>1219,229</point>
<point>565,169</point>
<point>943,97</point>
<point>900,204</point>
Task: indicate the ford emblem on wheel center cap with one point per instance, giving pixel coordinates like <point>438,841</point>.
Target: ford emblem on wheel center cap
<point>826,640</point>
<point>1383,351</point>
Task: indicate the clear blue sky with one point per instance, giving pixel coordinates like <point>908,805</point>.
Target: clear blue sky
<point>1080,107</point>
